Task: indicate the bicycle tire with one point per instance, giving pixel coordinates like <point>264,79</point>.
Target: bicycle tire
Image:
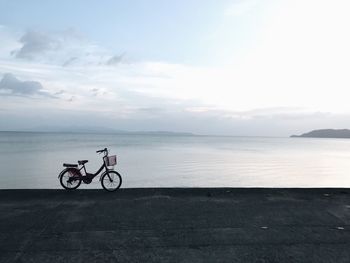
<point>109,185</point>
<point>64,181</point>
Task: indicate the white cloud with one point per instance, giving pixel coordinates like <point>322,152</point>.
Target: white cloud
<point>116,59</point>
<point>36,43</point>
<point>64,48</point>
<point>160,91</point>
<point>294,74</point>
<point>11,86</point>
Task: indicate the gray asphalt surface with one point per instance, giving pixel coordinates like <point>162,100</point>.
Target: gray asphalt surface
<point>175,225</point>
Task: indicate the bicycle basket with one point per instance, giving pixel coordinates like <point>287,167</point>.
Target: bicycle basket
<point>111,160</point>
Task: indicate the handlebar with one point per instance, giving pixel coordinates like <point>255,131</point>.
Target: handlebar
<point>103,150</point>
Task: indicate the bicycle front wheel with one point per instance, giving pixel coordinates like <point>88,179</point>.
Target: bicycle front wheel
<point>111,181</point>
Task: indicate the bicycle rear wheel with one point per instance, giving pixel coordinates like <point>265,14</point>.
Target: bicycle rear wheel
<point>111,181</point>
<point>70,180</point>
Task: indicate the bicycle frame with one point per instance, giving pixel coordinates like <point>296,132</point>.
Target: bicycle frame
<point>90,175</point>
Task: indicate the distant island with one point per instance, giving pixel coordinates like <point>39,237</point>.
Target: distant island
<point>326,133</point>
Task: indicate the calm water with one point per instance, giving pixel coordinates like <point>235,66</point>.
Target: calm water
<point>33,160</point>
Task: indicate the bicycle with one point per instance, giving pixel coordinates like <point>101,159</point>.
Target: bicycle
<point>71,177</point>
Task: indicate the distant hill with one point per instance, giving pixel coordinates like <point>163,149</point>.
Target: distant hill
<point>326,133</point>
<point>161,133</point>
<point>102,130</point>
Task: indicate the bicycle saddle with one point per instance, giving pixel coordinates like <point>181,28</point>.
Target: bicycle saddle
<point>81,162</point>
<point>70,165</point>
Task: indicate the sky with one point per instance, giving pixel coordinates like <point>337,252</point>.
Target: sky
<point>239,67</point>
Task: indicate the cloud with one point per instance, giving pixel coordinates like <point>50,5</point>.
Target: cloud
<point>35,43</point>
<point>95,91</point>
<point>69,61</point>
<point>116,59</point>
<point>60,92</point>
<point>286,66</point>
<point>151,109</point>
<point>64,48</point>
<point>10,85</point>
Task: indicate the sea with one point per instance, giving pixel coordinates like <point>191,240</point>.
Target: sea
<point>33,160</point>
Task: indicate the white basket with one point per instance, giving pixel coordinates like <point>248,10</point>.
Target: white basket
<point>111,160</point>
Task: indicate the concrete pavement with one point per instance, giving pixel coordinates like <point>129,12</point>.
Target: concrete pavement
<point>175,225</point>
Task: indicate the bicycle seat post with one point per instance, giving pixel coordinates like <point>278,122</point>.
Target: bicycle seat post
<point>84,168</point>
